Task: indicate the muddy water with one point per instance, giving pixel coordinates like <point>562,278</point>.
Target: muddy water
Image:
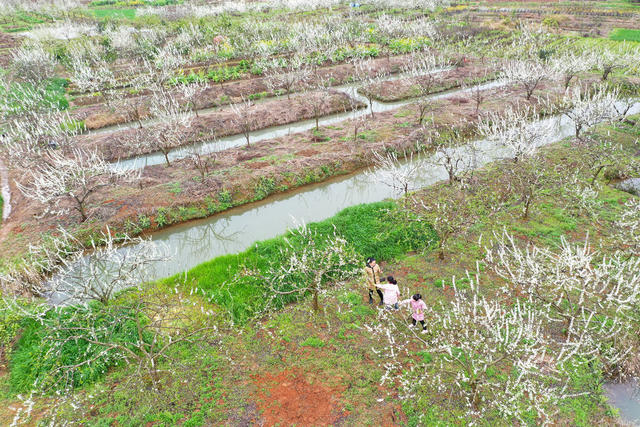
<point>277,131</point>
<point>625,397</point>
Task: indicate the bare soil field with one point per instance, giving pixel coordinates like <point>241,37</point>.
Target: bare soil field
<point>96,115</point>
<point>219,123</point>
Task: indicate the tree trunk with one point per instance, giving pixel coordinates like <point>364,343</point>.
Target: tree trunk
<point>476,398</point>
<point>316,306</point>
<point>527,204</point>
<point>80,207</point>
<point>166,157</point>
<point>82,211</point>
<point>595,175</point>
<point>567,80</point>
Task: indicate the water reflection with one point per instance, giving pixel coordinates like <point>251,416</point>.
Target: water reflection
<point>625,397</point>
<point>234,231</point>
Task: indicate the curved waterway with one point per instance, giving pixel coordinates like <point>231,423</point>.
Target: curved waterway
<point>195,242</point>
<point>626,397</point>
<point>153,120</point>
<point>238,140</point>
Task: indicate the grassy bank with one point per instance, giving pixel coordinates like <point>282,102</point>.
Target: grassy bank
<point>372,229</point>
<point>625,34</point>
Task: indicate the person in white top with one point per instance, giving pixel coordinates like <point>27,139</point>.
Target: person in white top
<point>391,292</point>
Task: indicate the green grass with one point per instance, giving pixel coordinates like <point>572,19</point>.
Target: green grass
<point>52,95</point>
<point>38,354</point>
<point>625,34</point>
<point>114,13</point>
<point>372,230</point>
<point>23,21</point>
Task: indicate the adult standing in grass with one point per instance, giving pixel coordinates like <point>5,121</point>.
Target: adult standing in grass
<point>372,273</point>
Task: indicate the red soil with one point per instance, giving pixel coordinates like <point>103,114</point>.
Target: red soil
<point>287,398</point>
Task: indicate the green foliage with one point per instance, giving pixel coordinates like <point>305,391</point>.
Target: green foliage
<point>584,377</point>
<point>406,45</point>
<point>43,350</point>
<point>52,95</point>
<point>10,320</point>
<point>368,228</point>
<point>23,20</point>
<point>161,217</point>
<point>114,13</point>
<point>97,3</point>
<point>312,342</point>
<point>625,34</point>
<point>216,75</point>
<point>225,199</point>
<point>264,187</point>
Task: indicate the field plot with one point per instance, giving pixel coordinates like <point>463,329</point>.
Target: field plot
<point>405,212</point>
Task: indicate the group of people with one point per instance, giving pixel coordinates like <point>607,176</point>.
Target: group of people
<point>389,293</point>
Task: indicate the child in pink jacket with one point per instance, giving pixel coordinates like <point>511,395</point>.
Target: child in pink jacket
<point>417,307</point>
<point>391,292</point>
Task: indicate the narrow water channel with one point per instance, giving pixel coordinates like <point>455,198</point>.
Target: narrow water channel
<point>198,241</point>
<point>626,397</point>
<point>152,120</point>
<point>238,140</point>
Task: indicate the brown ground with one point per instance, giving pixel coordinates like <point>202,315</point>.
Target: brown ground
<point>98,115</point>
<point>397,90</point>
<point>588,23</point>
<point>7,43</point>
<point>287,398</point>
<point>206,126</point>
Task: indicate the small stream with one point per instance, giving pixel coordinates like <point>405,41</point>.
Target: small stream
<point>152,120</point>
<point>238,140</point>
<point>626,397</point>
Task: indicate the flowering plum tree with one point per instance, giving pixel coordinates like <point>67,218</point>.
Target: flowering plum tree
<point>528,74</point>
<point>515,130</point>
<point>57,177</point>
<point>588,295</point>
<point>309,264</point>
